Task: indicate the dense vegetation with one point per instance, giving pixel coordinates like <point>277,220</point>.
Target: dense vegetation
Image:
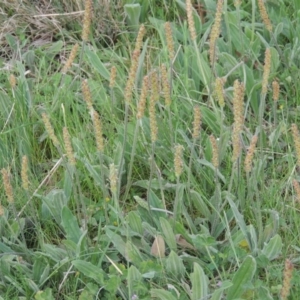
<point>150,149</point>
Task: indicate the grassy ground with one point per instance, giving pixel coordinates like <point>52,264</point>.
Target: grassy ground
<point>158,161</point>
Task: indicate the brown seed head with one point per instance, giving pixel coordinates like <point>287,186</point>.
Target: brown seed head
<point>238,111</point>
<point>71,59</point>
<point>113,178</point>
<point>196,122</point>
<point>87,20</point>
<point>50,130</point>
<point>296,138</point>
<point>166,85</point>
<point>68,146</point>
<point>98,131</point>
<point>178,162</point>
<point>170,42</point>
<point>264,15</point>
<point>267,69</point>
<point>143,97</point>
<point>215,32</point>
<point>86,92</point>
<point>297,189</point>
<point>189,11</point>
<point>237,3</point>
<point>215,151</point>
<point>250,154</point>
<point>1,210</point>
<point>131,76</point>
<point>24,173</point>
<point>287,277</point>
<point>276,90</point>
<point>113,74</point>
<point>7,185</point>
<point>219,91</point>
<point>12,81</point>
<point>139,39</point>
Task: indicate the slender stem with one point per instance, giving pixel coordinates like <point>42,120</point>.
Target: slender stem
<point>122,161</point>
<point>152,165</point>
<point>177,202</point>
<point>128,184</point>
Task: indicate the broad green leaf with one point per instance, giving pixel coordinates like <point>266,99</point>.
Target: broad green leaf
<point>241,278</point>
<point>44,295</point>
<point>89,270</point>
<point>200,204</point>
<point>82,245</point>
<point>162,294</point>
<point>175,266</point>
<point>39,267</point>
<point>133,12</point>
<point>273,248</point>
<point>133,277</point>
<point>53,203</point>
<point>206,163</point>
<point>135,222</point>
<point>252,233</point>
<point>54,49</point>
<point>240,221</point>
<point>68,182</point>
<point>133,254</point>
<point>199,283</point>
<point>112,284</point>
<point>275,61</point>
<point>117,241</point>
<point>218,294</point>
<point>97,63</point>
<point>168,233</point>
<point>70,225</point>
<point>5,249</point>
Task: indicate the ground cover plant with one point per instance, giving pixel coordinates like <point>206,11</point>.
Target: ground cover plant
<point>149,150</point>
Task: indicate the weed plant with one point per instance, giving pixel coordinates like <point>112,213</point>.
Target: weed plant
<point>151,152</point>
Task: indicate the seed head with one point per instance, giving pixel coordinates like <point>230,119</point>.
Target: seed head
<point>113,74</point>
<point>71,59</point>
<point>87,95</point>
<point>98,131</point>
<point>238,111</point>
<point>250,154</point>
<point>264,15</point>
<point>267,69</point>
<point>113,178</point>
<point>50,130</point>
<point>296,138</point>
<point>297,189</point>
<point>215,151</point>
<point>170,42</point>
<point>215,32</point>
<point>87,20</point>
<point>166,85</point>
<point>152,111</point>
<point>143,97</point>
<point>189,11</point>
<point>219,91</point>
<point>276,90</point>
<point>7,185</point>
<point>178,162</point>
<point>196,122</point>
<point>68,146</point>
<point>12,81</point>
<point>24,173</point>
<point>287,277</point>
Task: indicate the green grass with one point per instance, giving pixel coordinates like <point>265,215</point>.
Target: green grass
<point>209,233</point>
